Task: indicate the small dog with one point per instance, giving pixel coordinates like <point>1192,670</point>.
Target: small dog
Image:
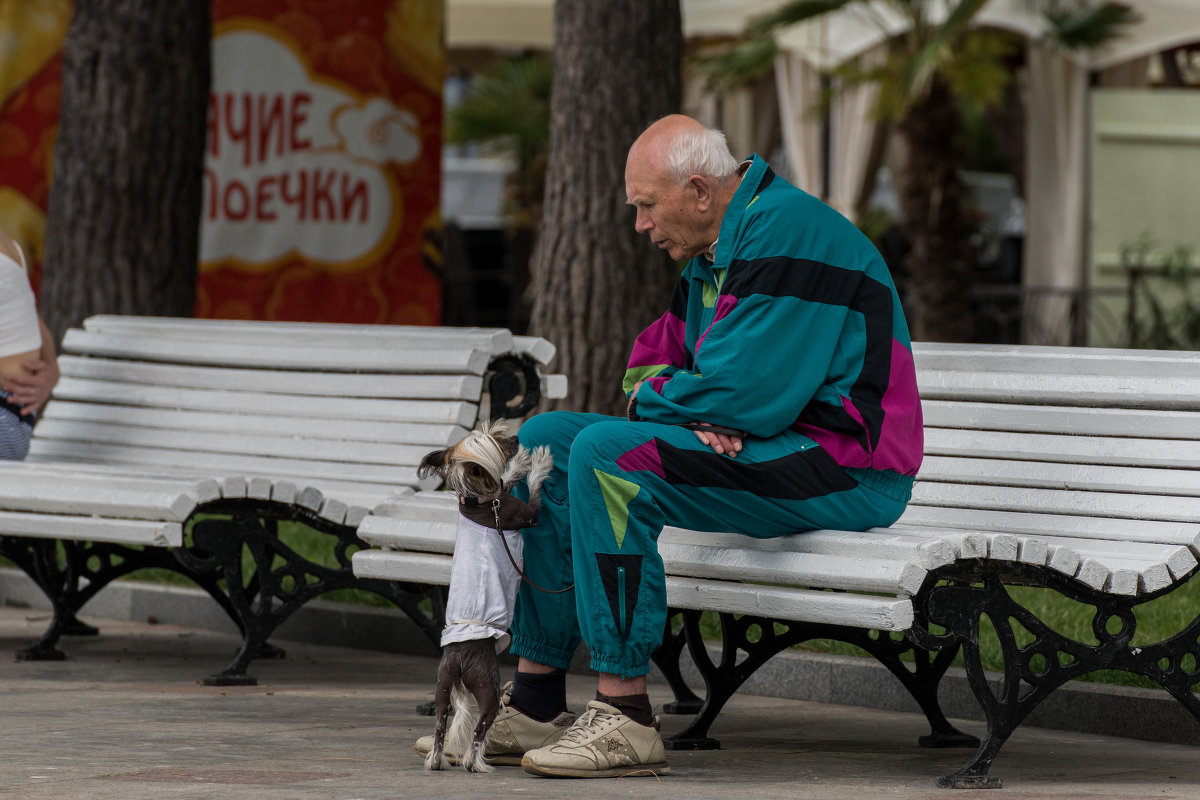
<point>481,469</point>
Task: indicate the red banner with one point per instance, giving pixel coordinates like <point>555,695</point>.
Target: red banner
<point>31,37</point>
<point>322,178</point>
<point>323,169</point>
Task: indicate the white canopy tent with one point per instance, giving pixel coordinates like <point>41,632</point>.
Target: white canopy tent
<point>1056,134</point>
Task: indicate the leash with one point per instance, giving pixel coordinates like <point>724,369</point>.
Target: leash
<point>513,561</point>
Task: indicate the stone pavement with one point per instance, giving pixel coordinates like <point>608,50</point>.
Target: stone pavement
<point>126,717</point>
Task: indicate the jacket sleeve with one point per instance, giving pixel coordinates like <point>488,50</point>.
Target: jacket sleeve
<point>758,365</point>
<point>661,350</point>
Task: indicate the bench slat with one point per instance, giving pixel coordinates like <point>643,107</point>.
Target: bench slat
<point>423,360</point>
<point>91,529</point>
<point>24,492</point>
<point>322,384</point>
<point>428,509</point>
<point>322,427</point>
<point>1081,477</point>
<point>1054,360</point>
<point>183,442</point>
<point>86,390</point>
<point>1170,453</point>
<point>1091,391</point>
<point>1058,501</point>
<point>801,605</point>
<point>224,464</point>
<point>1142,424</point>
<point>254,333</point>
<point>1052,525</point>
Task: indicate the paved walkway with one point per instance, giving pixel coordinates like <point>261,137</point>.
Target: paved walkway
<point>126,717</point>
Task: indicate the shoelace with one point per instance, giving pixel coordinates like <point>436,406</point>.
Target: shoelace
<point>580,729</point>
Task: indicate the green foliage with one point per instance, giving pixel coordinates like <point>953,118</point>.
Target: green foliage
<point>1164,294</point>
<point>507,106</point>
<point>1076,25</point>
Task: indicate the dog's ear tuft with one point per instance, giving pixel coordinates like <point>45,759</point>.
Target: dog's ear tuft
<point>434,464</point>
<point>510,446</point>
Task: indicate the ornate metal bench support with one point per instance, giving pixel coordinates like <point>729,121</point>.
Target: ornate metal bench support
<point>759,640</point>
<point>1047,659</point>
<point>282,580</point>
<point>72,576</point>
<point>668,659</point>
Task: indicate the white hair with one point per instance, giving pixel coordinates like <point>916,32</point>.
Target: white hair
<point>702,152</point>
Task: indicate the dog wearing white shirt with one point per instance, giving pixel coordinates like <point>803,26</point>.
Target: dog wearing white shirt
<point>484,576</point>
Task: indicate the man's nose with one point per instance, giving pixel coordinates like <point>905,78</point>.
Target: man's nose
<point>642,223</point>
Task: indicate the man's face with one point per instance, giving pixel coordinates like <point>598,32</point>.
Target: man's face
<point>667,212</point>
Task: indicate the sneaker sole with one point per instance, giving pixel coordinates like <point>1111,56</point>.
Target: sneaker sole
<point>632,771</point>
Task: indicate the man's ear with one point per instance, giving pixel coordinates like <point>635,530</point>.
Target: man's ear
<point>703,188</point>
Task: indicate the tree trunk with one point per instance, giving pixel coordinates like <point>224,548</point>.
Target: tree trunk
<point>596,282</point>
<point>932,195</point>
<point>124,209</point>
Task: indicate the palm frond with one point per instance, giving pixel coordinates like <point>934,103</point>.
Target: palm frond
<point>1084,27</point>
<point>740,63</point>
<point>791,13</point>
<point>932,53</point>
<point>509,103</point>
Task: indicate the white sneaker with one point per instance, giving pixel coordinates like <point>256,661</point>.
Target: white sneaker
<point>603,743</point>
<point>512,734</point>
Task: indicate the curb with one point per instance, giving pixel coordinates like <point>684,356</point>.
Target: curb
<point>1131,712</point>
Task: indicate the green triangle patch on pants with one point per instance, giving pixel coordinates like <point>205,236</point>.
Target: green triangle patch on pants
<point>616,483</point>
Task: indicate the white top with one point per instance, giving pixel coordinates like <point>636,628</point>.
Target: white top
<point>483,584</point>
<point>19,330</point>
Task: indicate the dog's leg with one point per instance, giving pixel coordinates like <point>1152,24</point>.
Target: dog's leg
<point>480,677</point>
<point>437,756</point>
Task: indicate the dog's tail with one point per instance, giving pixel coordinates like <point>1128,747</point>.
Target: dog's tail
<point>460,737</point>
<point>540,464</point>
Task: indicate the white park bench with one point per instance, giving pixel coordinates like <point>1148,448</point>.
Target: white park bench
<point>1069,468</point>
<point>181,443</point>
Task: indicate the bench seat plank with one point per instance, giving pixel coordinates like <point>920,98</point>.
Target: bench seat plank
<point>801,605</point>
<point>1019,522</point>
<point>438,359</point>
<point>110,498</point>
<point>91,529</point>
<point>692,556</point>
<point>438,509</point>
<point>253,424</point>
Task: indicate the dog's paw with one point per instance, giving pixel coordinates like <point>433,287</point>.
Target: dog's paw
<point>437,760</point>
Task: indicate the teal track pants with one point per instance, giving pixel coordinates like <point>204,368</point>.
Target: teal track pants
<point>616,483</point>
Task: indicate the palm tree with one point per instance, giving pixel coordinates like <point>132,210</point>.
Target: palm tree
<point>935,67</point>
<point>507,106</point>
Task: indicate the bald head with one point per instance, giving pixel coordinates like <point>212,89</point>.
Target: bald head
<point>680,176</point>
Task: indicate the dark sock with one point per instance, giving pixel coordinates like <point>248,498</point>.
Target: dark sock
<point>540,696</point>
<point>635,706</point>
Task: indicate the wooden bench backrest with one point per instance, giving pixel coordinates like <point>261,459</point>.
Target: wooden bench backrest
<point>1081,444</point>
<point>332,403</point>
